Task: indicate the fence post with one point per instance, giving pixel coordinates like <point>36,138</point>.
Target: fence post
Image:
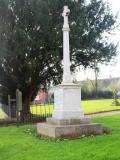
<point>9,106</point>
<point>18,103</point>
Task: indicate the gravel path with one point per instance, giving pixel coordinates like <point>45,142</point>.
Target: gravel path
<point>102,114</point>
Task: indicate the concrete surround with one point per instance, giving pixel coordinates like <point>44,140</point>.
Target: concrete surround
<point>59,131</point>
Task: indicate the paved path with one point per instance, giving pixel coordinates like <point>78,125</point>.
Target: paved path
<point>102,114</point>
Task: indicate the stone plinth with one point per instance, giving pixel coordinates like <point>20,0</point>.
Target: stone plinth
<point>68,121</point>
<point>57,129</point>
<point>67,99</point>
<point>68,117</point>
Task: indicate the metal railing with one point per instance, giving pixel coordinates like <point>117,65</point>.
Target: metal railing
<point>38,113</point>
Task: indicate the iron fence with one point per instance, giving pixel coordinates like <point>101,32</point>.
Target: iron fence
<point>38,113</point>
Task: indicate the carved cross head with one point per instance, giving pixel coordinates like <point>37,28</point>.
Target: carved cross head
<point>66,11</point>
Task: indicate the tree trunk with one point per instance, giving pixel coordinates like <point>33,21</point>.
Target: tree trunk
<point>26,105</point>
<point>96,71</point>
<point>96,86</point>
<point>25,113</point>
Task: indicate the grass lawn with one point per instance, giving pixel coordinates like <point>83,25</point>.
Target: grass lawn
<point>93,106</point>
<point>89,106</point>
<point>20,143</point>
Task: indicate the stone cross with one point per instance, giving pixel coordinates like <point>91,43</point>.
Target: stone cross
<point>67,117</point>
<point>66,48</point>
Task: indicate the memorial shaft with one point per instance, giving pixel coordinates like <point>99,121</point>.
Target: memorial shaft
<point>66,48</point>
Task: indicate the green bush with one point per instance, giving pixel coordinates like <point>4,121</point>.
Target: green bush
<point>86,94</point>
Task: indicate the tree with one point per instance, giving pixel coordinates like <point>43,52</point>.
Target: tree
<point>31,41</point>
<point>114,89</point>
<point>96,73</point>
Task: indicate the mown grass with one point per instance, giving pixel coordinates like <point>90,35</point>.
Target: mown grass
<point>93,106</point>
<point>89,106</point>
<point>21,143</point>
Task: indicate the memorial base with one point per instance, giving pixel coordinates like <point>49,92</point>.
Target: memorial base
<point>67,128</point>
<point>67,98</point>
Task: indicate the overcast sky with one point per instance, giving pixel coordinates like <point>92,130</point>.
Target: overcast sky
<point>113,69</point>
